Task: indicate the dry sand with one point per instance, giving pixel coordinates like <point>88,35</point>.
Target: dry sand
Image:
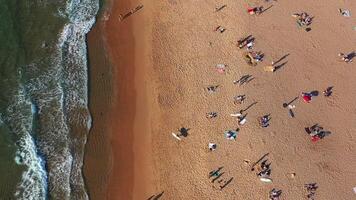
<point>163,57</point>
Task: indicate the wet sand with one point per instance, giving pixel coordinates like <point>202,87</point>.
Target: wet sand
<point>164,56</point>
<point>120,122</point>
<point>98,155</point>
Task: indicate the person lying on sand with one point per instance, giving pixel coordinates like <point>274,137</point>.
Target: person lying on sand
<point>257,55</point>
<point>241,119</point>
<point>317,132</point>
<point>241,43</point>
<point>239,99</point>
<point>221,68</point>
<point>255,10</point>
<point>211,115</point>
<point>303,19</point>
<point>264,121</point>
<point>212,89</point>
<point>249,45</point>
<point>274,194</point>
<point>327,92</point>
<point>231,135</point>
<point>345,58</point>
<point>183,132</point>
<point>264,173</point>
<point>220,29</point>
<point>311,187</point>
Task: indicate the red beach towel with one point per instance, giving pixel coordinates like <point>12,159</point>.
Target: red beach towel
<point>251,11</point>
<point>307,98</point>
<point>315,138</point>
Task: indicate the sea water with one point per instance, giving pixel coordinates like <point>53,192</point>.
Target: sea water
<point>44,117</point>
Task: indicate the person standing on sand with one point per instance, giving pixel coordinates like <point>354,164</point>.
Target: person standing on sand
<point>183,132</point>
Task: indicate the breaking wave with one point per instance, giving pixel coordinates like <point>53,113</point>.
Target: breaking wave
<point>50,115</point>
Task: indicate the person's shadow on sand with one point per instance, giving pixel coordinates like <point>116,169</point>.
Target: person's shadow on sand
<point>156,197</point>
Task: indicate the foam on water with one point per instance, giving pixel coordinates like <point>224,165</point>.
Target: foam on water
<point>55,101</point>
<point>20,118</point>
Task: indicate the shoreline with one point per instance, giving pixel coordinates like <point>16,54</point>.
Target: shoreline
<point>126,160</point>
<point>97,157</point>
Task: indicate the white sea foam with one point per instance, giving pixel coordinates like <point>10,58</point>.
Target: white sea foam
<point>33,185</point>
<point>61,101</point>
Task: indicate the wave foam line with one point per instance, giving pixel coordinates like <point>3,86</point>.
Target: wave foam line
<point>61,97</point>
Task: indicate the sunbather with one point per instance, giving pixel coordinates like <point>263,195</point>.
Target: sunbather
<point>344,57</point>
<point>264,121</point>
<point>303,19</point>
<point>210,115</point>
<point>255,10</point>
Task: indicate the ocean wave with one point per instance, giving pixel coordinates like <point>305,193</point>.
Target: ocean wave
<point>53,132</point>
<point>19,118</point>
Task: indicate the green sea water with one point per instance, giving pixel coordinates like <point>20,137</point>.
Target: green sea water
<point>43,96</point>
<point>24,25</point>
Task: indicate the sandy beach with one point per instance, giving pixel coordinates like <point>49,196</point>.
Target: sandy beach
<point>153,81</point>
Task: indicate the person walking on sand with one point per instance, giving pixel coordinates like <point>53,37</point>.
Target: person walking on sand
<point>183,132</point>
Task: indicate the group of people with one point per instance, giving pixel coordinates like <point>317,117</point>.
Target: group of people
<point>303,19</point>
<point>347,57</point>
<point>264,121</point>
<point>316,132</point>
<point>216,175</point>
<point>274,194</point>
<point>311,189</point>
<point>255,10</point>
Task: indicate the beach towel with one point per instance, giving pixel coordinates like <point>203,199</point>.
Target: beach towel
<point>307,98</point>
<point>243,121</point>
<point>315,138</point>
<point>220,68</point>
<point>269,68</point>
<point>345,13</point>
